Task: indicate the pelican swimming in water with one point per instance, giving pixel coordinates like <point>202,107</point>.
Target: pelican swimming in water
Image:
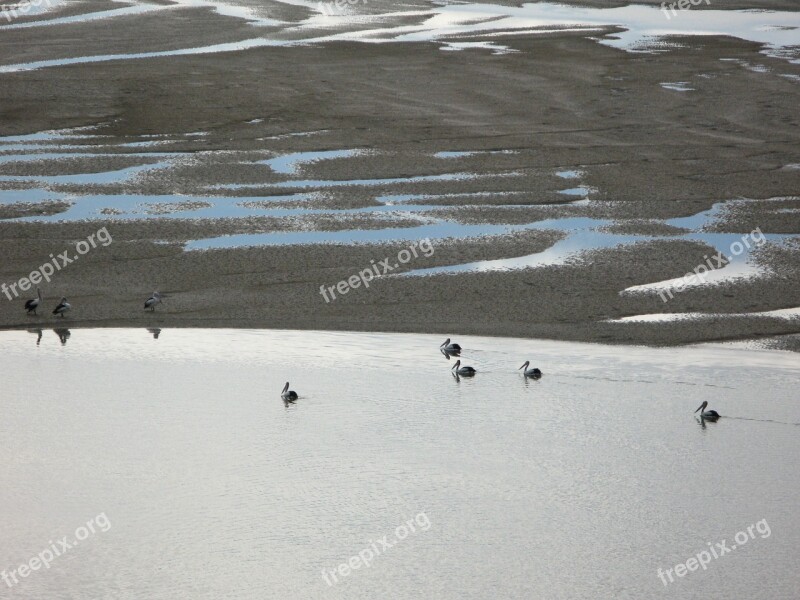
<point>152,301</point>
<point>708,415</point>
<point>534,373</point>
<point>465,371</point>
<point>33,303</point>
<point>62,307</point>
<point>288,394</point>
<point>450,348</point>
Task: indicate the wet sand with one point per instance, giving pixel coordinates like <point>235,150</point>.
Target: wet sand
<point>562,101</point>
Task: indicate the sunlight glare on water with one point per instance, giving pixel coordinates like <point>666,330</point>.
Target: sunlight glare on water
<point>584,482</point>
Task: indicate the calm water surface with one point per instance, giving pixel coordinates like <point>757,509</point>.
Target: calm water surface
<point>580,485</point>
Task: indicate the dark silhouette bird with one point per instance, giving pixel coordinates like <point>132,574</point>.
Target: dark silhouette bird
<point>152,301</point>
<point>708,415</point>
<point>532,373</point>
<point>288,394</point>
<point>62,307</point>
<point>450,348</point>
<point>33,303</point>
<point>463,371</point>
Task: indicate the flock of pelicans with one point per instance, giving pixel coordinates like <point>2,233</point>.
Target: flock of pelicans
<point>452,349</point>
<point>64,306</point>
<point>447,348</point>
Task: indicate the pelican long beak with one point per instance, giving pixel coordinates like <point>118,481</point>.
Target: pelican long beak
<point>523,366</point>
<point>699,407</point>
<point>458,362</point>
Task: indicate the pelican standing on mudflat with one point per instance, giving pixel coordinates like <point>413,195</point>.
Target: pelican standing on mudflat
<point>33,303</point>
<point>708,415</point>
<point>62,307</point>
<point>465,371</point>
<point>534,373</point>
<point>288,394</point>
<point>152,301</point>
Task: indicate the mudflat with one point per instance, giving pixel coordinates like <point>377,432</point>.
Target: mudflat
<point>611,169</point>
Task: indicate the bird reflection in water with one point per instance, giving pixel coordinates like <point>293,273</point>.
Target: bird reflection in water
<point>63,335</point>
<point>457,376</point>
<point>38,333</point>
<point>448,353</point>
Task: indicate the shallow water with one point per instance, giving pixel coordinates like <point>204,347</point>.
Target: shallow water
<point>335,183</point>
<point>135,9</point>
<point>781,313</point>
<point>678,86</point>
<point>580,485</point>
<point>643,28</point>
<point>583,235</point>
<point>288,164</point>
<point>435,230</point>
<point>100,178</point>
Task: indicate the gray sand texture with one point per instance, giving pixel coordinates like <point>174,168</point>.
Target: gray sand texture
<point>566,164</point>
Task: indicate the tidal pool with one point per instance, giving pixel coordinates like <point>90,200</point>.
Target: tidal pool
<point>457,27</point>
<point>579,485</point>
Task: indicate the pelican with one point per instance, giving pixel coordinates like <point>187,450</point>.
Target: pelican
<point>152,301</point>
<point>465,371</point>
<point>451,348</point>
<point>709,415</point>
<point>534,373</point>
<point>62,307</point>
<point>288,394</point>
<point>33,303</point>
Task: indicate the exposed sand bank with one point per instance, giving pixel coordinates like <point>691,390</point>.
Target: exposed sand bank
<point>646,154</point>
